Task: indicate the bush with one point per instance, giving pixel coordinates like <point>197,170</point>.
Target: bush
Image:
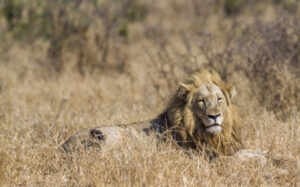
<point>233,6</point>
<point>267,53</point>
<point>67,26</point>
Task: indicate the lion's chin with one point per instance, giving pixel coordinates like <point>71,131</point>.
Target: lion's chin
<point>214,129</point>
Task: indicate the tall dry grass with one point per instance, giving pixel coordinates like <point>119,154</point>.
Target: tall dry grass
<point>255,47</point>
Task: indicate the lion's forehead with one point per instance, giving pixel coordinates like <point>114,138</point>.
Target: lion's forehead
<point>209,89</point>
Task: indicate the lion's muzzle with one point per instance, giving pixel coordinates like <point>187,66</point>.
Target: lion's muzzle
<point>213,123</point>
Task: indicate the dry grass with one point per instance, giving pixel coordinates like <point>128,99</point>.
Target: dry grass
<point>40,108</point>
<point>29,154</point>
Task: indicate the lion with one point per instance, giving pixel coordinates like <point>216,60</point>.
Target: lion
<point>200,115</point>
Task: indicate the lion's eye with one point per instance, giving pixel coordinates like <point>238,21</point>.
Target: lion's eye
<point>220,99</point>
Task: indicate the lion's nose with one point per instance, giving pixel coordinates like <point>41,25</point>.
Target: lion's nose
<point>213,116</point>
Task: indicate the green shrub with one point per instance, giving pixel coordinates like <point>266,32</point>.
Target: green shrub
<point>65,25</point>
<point>233,6</point>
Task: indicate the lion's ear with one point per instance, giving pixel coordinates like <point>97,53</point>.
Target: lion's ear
<point>183,91</point>
<point>232,91</point>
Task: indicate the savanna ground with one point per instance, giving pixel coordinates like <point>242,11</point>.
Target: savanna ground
<point>69,65</point>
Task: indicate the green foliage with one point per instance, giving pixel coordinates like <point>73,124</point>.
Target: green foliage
<point>233,6</point>
<point>40,18</point>
<point>65,23</point>
<point>135,12</point>
<point>11,11</point>
<point>123,31</point>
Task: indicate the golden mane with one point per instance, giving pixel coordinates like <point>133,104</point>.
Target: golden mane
<point>186,129</point>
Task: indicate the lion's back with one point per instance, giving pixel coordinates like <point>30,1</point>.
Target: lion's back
<point>110,136</point>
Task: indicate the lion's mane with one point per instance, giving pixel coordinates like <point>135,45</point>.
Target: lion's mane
<point>186,128</point>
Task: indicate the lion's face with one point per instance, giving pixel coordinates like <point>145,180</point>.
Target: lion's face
<point>210,107</point>
<point>201,114</point>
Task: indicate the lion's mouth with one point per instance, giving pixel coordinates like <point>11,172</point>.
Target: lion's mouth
<point>213,125</point>
<point>209,126</point>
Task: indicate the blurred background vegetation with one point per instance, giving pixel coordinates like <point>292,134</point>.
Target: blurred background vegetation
<point>66,65</point>
<point>254,44</point>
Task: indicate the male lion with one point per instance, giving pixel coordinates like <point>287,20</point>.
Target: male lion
<point>200,116</point>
